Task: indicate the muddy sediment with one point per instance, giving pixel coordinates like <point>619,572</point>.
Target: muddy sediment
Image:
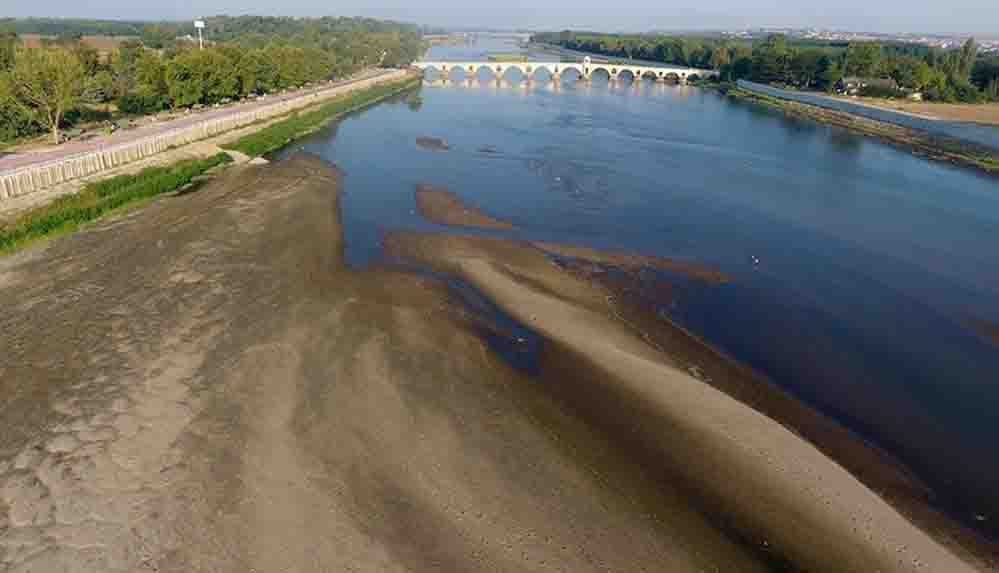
<point>432,143</point>
<point>228,396</point>
<point>446,208</point>
<point>987,330</point>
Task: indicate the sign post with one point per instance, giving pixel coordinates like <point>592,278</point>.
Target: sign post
<point>200,25</point>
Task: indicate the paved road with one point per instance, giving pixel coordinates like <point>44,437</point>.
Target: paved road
<point>19,160</point>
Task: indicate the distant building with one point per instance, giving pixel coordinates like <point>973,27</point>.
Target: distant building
<point>852,85</point>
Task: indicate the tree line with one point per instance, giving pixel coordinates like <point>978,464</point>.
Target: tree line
<point>47,88</point>
<point>941,75</point>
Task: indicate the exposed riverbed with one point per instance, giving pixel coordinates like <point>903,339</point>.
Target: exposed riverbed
<point>857,271</point>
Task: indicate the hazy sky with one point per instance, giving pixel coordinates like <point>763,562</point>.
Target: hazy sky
<point>977,16</point>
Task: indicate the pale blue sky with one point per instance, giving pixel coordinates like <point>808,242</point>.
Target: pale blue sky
<point>952,16</point>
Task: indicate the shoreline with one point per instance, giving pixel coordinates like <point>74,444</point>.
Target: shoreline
<point>937,148</point>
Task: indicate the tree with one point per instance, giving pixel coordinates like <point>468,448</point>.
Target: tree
<point>804,67</point>
<point>862,59</point>
<point>771,59</point>
<point>719,57</point>
<point>201,77</point>
<point>46,83</point>
<point>8,46</point>
<point>969,51</point>
<point>830,72</point>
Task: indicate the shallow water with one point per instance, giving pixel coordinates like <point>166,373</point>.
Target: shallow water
<point>857,266</point>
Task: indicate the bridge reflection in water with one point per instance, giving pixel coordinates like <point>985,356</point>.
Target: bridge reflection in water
<point>526,85</point>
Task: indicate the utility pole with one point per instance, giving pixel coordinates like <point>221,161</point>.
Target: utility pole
<point>200,25</point>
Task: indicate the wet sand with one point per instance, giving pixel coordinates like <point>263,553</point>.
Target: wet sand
<point>445,208</point>
<point>202,385</point>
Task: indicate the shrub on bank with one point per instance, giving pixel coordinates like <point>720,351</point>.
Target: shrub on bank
<point>277,135</point>
<point>102,197</point>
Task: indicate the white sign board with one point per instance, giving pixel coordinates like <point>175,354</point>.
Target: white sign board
<point>199,24</point>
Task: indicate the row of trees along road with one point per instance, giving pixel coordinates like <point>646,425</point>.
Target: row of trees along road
<point>65,82</point>
<point>960,74</point>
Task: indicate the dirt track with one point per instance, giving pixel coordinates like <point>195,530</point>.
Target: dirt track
<point>200,385</point>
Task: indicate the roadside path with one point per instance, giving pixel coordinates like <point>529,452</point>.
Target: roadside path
<point>17,160</point>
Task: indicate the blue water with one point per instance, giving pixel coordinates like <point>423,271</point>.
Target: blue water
<point>872,262</point>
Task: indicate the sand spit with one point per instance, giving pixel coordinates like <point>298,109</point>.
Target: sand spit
<point>432,143</point>
<point>756,476</point>
<point>445,208</point>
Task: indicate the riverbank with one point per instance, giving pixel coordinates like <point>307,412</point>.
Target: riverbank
<point>28,173</point>
<point>94,199</point>
<point>935,147</point>
<point>230,395</point>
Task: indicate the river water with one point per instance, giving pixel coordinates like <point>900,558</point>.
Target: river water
<point>864,278</point>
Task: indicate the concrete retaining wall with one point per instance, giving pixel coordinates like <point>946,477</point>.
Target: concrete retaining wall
<point>984,135</point>
<point>32,178</point>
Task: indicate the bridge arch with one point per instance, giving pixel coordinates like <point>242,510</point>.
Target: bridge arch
<point>601,72</point>
<point>569,74</point>
<point>626,75</point>
<point>541,72</point>
<point>672,77</point>
<point>650,75</point>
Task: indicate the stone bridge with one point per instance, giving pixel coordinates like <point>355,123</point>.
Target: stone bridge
<point>584,69</point>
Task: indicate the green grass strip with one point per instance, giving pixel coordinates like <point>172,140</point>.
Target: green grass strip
<point>277,135</point>
<point>102,197</point>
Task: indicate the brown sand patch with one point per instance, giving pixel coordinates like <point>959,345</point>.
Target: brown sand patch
<point>446,208</point>
<point>432,143</point>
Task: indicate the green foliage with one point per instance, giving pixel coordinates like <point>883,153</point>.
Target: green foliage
<point>138,103</point>
<point>276,136</point>
<point>102,197</point>
<point>809,64</point>
<point>48,82</point>
<point>862,59</point>
<point>8,46</point>
<point>244,56</point>
<point>75,26</point>
<point>201,77</point>
<point>985,75</point>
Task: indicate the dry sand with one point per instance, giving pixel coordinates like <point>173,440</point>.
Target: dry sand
<point>201,385</point>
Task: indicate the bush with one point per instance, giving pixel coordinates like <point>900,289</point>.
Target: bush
<point>15,123</point>
<point>139,103</point>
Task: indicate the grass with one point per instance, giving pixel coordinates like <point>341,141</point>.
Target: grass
<point>100,198</point>
<point>277,135</point>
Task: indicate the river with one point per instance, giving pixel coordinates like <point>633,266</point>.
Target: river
<point>865,280</point>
